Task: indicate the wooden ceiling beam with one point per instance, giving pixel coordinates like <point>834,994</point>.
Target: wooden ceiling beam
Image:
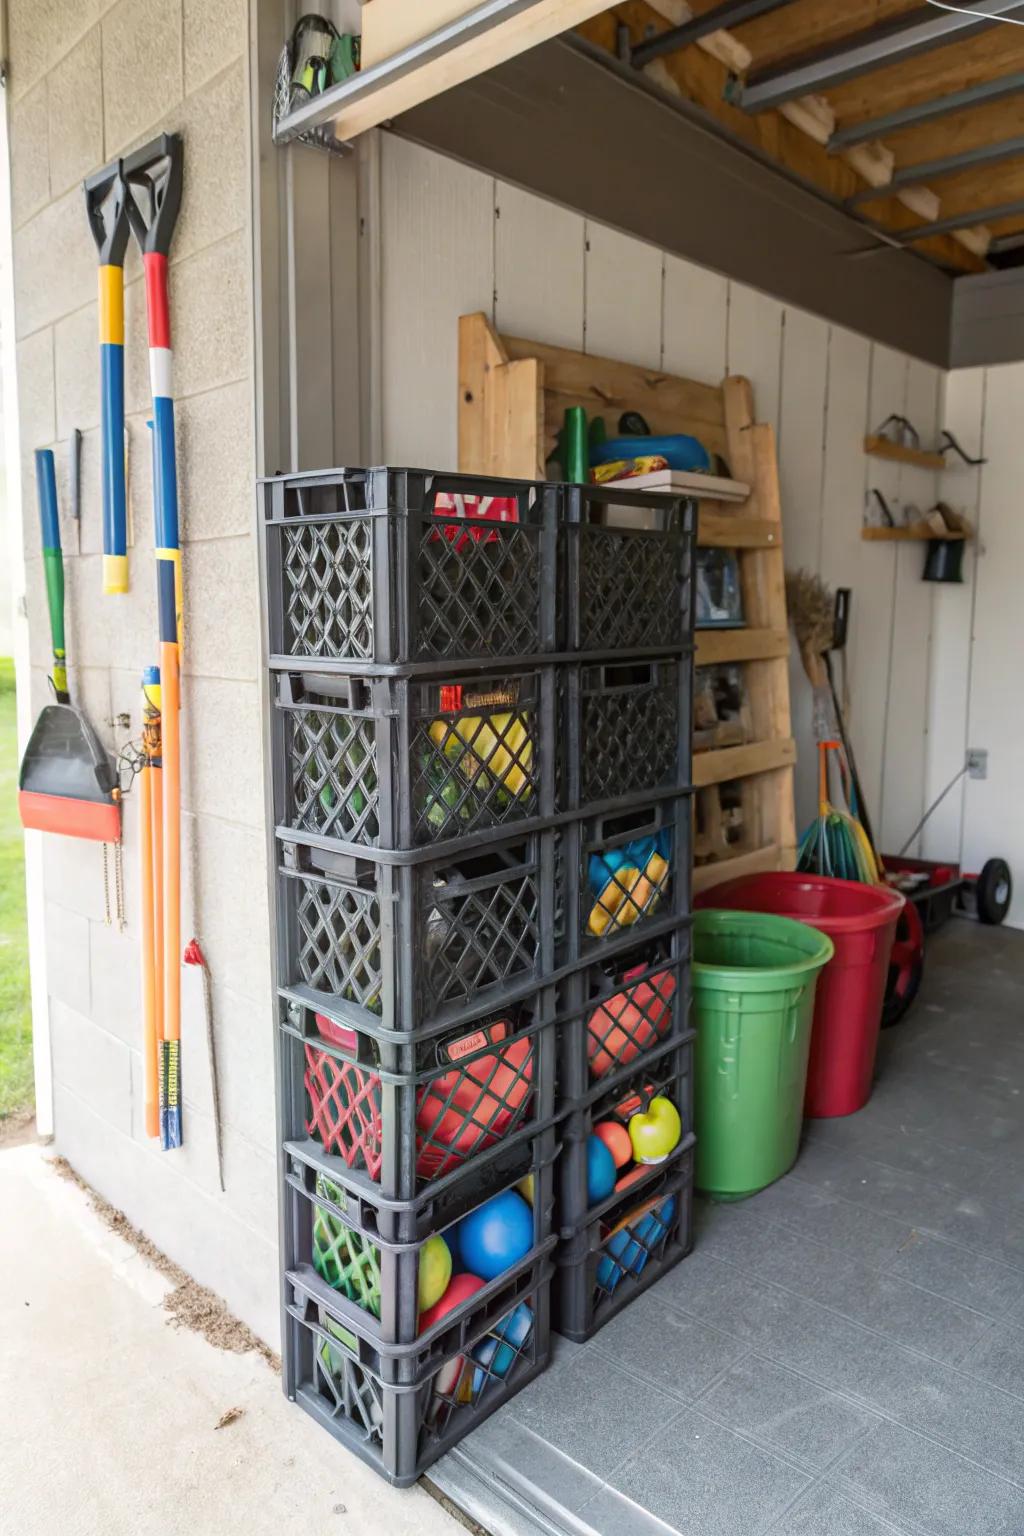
<point>794,141</point>
<point>922,30</point>
<point>810,24</point>
<point>991,123</point>
<point>998,50</point>
<point>968,192</point>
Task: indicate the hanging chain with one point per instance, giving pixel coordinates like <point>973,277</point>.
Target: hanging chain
<point>118,886</point>
<point>119,883</point>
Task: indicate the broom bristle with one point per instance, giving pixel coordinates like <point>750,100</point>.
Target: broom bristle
<point>812,611</point>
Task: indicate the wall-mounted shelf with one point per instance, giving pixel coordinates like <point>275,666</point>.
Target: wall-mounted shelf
<point>882,448</point>
<point>922,532</point>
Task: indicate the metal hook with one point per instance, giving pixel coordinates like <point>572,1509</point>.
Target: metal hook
<point>947,440</point>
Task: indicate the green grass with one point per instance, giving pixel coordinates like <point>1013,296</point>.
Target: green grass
<point>15,1012</point>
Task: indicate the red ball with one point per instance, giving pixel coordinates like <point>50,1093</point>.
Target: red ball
<point>460,1289</point>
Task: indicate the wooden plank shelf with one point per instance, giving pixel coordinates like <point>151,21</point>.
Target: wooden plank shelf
<point>728,530</point>
<point>718,646</point>
<point>742,762</point>
<point>882,448</point>
<point>923,532</point>
<point>676,482</point>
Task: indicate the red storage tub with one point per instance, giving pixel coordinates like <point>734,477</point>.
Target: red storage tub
<point>861,922</point>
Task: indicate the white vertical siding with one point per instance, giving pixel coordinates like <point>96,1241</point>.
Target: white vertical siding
<point>455,241</point>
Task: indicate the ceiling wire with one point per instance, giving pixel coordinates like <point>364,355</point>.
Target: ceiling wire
<point>965,10</point>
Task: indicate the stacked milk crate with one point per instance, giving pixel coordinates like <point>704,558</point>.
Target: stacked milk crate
<point>624,1091</point>
<point>435,683</point>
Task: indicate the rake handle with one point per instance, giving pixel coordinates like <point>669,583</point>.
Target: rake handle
<point>53,567</point>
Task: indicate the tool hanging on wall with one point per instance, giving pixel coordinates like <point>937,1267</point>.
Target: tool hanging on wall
<point>108,219</point>
<point>68,782</point>
<point>151,865</point>
<point>152,190</point>
<point>194,956</point>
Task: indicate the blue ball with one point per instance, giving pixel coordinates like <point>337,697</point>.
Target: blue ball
<point>451,1237</point>
<point>601,1171</point>
<point>627,1251</point>
<point>496,1235</point>
<point>498,1357</point>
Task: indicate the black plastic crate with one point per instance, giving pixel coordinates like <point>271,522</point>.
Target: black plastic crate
<point>627,729</point>
<point>621,1252</point>
<point>666,1072</point>
<point>406,763</point>
<point>619,1010</point>
<point>412,947</point>
<point>407,1121</point>
<point>627,571</point>
<point>450,1380</point>
<point>389,567</point>
<point>625,877</point>
<point>368,1251</point>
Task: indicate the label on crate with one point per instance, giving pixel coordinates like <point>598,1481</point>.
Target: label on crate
<point>454,696</point>
<point>467,1045</point>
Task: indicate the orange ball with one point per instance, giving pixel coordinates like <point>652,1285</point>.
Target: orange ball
<point>616,1139</point>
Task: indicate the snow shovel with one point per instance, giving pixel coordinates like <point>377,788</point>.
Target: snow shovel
<point>152,182</point>
<point>67,782</point>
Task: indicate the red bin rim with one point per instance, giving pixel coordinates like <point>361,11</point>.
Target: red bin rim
<point>876,905</point>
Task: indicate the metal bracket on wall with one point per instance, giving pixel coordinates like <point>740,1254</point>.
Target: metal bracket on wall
<point>948,442</point>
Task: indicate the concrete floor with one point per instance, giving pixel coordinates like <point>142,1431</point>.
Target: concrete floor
<point>842,1355</point>
<point>108,1414</point>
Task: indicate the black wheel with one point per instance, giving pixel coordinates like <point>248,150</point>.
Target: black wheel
<point>993,891</point>
<point>906,966</point>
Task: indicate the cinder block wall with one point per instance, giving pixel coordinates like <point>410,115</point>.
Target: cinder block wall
<point>90,80</point>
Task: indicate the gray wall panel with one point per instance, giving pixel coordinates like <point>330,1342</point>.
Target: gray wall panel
<point>569,126</point>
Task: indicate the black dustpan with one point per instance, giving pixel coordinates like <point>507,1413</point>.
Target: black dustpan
<point>67,778</point>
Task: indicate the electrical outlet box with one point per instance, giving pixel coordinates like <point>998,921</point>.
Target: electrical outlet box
<point>977,763</point>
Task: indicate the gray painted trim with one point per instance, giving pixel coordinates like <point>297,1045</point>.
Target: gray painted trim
<point>728,209</point>
<point>988,319</point>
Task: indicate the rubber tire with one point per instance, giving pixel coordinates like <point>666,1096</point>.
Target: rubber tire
<point>906,969</point>
<point>995,877</point>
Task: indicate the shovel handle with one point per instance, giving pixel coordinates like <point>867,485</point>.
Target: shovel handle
<point>53,567</point>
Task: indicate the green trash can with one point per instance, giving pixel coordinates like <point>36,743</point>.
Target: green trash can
<point>753,981</point>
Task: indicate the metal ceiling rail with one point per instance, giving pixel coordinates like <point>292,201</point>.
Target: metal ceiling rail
<point>957,221</point>
<point>1011,242</point>
<point>324,108</point>
<point>875,47</point>
<point>731,13</point>
<point>945,165</point>
<point>926,111</point>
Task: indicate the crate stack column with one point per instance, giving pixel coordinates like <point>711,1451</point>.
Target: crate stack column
<point>625,1170</point>
<point>411,624</point>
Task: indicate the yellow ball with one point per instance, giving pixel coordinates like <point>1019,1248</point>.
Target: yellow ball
<point>525,1187</point>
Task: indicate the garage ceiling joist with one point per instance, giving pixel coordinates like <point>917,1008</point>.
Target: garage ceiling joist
<point>887,43</point>
<point>945,165</point>
<point>999,89</point>
<point>963,220</point>
<point>731,13</point>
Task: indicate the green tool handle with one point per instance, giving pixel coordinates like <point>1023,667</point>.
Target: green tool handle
<point>53,567</point>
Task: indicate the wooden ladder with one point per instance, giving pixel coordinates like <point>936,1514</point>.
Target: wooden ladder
<point>513,395</point>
